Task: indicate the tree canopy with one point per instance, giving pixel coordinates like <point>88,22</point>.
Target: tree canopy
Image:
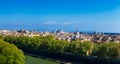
<point>48,46</point>
<point>10,54</point>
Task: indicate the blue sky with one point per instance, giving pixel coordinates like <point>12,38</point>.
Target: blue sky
<point>87,15</point>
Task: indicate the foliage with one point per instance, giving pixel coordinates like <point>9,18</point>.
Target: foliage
<point>110,50</point>
<point>10,54</point>
<point>48,46</point>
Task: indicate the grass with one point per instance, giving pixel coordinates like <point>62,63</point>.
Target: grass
<point>34,60</point>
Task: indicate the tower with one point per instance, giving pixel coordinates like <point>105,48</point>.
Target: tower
<point>102,33</point>
<point>95,33</point>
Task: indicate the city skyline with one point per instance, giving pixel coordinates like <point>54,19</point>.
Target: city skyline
<point>86,15</point>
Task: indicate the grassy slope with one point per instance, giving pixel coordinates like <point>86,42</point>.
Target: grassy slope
<point>33,60</point>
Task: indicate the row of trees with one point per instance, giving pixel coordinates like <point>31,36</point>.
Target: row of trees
<point>48,44</point>
<point>10,54</point>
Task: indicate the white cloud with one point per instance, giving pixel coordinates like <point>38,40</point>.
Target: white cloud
<point>62,23</point>
<point>69,23</point>
<point>50,23</point>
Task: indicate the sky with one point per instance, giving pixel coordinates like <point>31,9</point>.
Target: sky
<point>69,15</point>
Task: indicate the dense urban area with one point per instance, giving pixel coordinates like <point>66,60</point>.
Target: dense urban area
<point>68,36</point>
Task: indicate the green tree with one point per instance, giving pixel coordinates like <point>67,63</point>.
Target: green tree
<point>10,54</point>
<point>110,50</point>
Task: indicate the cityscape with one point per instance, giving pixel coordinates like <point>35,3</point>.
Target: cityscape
<point>59,31</point>
<point>97,37</point>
